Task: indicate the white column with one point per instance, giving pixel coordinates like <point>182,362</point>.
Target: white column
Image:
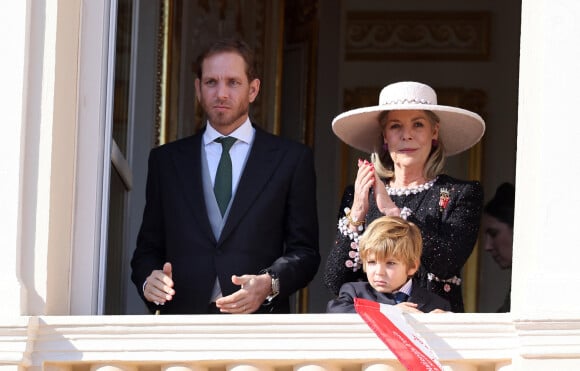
<point>34,198</point>
<point>13,23</point>
<point>44,155</point>
<point>546,241</point>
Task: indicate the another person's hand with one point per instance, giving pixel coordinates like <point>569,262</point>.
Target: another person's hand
<point>439,311</point>
<point>384,201</point>
<point>158,287</point>
<point>408,307</point>
<point>254,289</point>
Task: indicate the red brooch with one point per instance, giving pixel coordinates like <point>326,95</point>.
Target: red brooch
<point>443,199</point>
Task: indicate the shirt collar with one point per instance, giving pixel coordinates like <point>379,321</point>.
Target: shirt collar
<point>245,133</point>
<point>407,287</point>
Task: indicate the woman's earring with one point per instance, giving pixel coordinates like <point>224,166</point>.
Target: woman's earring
<point>385,147</point>
<point>434,143</point>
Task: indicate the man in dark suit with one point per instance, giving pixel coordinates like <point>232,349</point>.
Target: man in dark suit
<point>251,242</point>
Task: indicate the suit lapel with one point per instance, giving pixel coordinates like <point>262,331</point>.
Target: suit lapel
<point>263,160</point>
<point>418,296</point>
<point>188,167</point>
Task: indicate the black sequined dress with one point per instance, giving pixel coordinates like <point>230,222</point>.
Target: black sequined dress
<point>449,235</point>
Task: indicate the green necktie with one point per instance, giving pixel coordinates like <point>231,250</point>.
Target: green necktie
<point>223,178</point>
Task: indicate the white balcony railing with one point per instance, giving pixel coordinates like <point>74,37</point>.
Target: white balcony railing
<point>307,342</point>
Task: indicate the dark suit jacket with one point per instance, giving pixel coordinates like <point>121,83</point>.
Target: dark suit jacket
<point>272,223</point>
<point>426,301</point>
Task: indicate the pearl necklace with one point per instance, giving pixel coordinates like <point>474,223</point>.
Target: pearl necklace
<point>410,190</point>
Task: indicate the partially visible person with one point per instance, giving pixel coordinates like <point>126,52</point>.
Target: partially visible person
<point>242,244</point>
<point>390,252</point>
<point>498,229</point>
<point>409,136</point>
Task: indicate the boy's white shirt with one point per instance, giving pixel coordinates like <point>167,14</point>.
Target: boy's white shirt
<point>407,288</point>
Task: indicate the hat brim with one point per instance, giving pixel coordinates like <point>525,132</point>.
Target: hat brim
<point>459,129</point>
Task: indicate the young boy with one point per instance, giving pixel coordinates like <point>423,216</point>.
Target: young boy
<point>390,250</point>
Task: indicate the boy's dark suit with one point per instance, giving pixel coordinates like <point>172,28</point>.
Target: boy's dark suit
<point>272,223</point>
<point>426,301</point>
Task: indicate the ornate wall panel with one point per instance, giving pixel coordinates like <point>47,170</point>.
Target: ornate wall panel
<point>417,35</point>
<point>186,27</point>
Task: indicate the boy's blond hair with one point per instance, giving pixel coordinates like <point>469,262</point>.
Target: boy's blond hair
<point>392,236</point>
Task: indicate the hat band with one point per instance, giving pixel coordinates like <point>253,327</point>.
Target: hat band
<point>408,101</point>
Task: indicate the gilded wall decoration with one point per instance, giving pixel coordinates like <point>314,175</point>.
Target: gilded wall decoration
<point>417,35</point>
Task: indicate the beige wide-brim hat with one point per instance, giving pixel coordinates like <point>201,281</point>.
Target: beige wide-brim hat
<point>459,129</point>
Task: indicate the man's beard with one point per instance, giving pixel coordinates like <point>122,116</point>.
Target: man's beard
<point>225,118</point>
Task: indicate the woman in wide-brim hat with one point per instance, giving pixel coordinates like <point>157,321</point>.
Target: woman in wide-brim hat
<point>408,136</point>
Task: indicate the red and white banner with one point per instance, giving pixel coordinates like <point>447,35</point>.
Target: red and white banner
<point>388,323</point>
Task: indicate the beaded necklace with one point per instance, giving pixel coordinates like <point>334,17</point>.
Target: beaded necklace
<point>410,190</point>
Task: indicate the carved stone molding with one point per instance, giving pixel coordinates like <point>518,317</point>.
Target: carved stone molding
<point>417,35</point>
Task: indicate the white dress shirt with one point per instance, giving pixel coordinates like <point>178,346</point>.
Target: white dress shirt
<point>238,153</point>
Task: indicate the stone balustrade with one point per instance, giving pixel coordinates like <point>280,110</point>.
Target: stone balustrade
<point>305,342</point>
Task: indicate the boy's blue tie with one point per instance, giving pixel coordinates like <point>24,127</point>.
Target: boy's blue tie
<point>400,297</point>
<point>223,178</point>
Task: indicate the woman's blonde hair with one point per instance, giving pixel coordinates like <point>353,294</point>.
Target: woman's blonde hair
<point>383,162</point>
<point>391,236</point>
